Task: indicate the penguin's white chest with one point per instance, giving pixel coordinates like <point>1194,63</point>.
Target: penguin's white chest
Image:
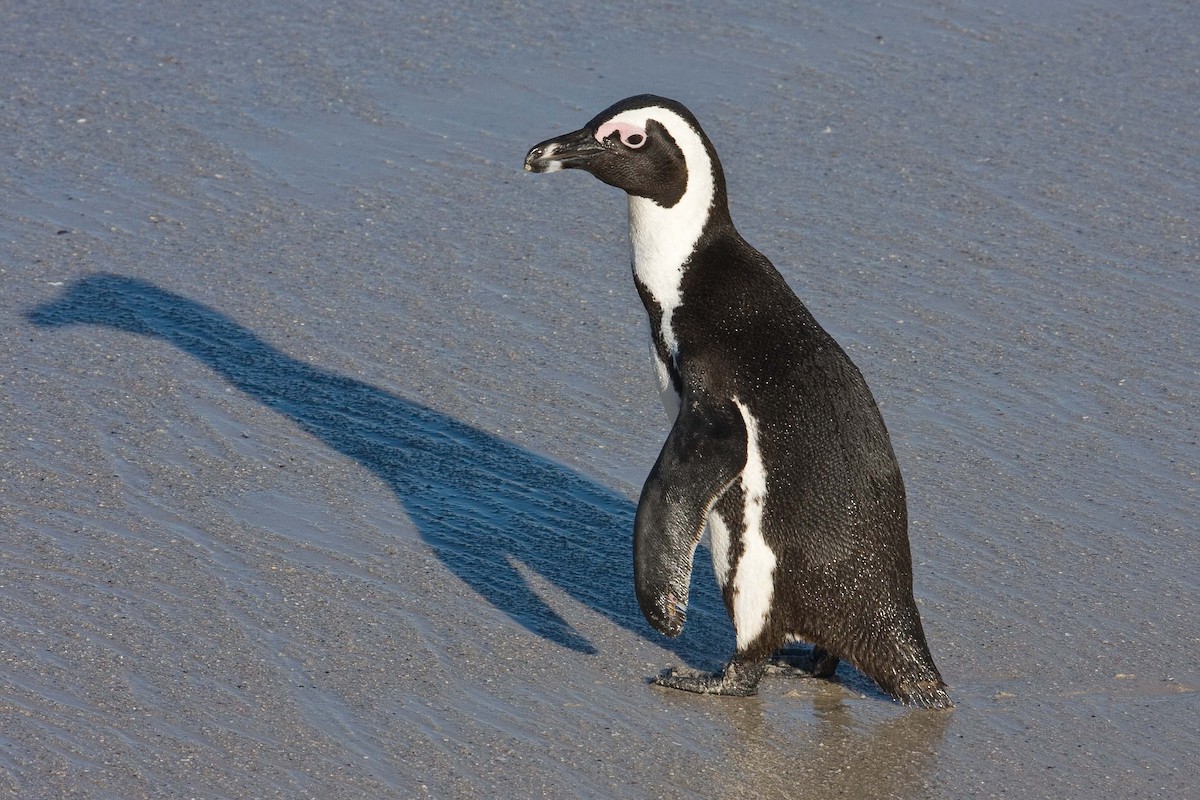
<point>662,241</point>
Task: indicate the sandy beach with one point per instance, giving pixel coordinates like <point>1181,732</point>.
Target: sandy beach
<point>324,423</point>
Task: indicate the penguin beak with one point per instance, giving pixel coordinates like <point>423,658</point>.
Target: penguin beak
<point>571,151</point>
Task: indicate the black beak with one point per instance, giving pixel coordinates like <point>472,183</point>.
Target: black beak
<point>572,150</point>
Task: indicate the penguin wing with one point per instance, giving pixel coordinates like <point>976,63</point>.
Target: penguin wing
<point>703,455</point>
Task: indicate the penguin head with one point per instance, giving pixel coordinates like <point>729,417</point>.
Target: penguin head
<point>649,146</point>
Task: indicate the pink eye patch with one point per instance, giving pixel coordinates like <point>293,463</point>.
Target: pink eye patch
<point>631,135</point>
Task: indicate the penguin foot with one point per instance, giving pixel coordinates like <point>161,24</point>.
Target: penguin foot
<point>738,679</point>
<point>799,664</point>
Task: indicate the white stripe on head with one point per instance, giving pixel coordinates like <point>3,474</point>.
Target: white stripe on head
<point>663,238</point>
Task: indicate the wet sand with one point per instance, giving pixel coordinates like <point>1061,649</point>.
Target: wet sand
<point>323,423</point>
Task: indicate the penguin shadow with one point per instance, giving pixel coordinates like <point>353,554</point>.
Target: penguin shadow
<point>484,505</point>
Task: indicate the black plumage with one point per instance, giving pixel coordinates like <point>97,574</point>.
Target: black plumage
<point>778,444</point>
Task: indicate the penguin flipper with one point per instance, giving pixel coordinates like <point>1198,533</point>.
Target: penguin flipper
<point>704,453</point>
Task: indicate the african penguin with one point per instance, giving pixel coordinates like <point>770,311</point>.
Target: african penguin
<point>776,445</point>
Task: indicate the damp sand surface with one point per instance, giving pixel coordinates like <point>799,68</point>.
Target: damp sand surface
<point>323,423</point>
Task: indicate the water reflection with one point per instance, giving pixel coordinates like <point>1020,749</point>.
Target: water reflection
<point>835,753</point>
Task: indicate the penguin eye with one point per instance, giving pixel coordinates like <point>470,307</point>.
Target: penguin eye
<point>632,136</point>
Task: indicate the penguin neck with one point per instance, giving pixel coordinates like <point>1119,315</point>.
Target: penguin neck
<point>663,240</point>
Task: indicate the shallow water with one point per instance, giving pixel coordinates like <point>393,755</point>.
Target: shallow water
<point>323,423</point>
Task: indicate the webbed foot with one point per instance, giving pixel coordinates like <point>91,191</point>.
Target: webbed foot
<point>738,679</point>
<point>824,663</point>
<point>797,663</point>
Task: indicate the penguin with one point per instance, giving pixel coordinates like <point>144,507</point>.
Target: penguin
<point>777,449</point>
